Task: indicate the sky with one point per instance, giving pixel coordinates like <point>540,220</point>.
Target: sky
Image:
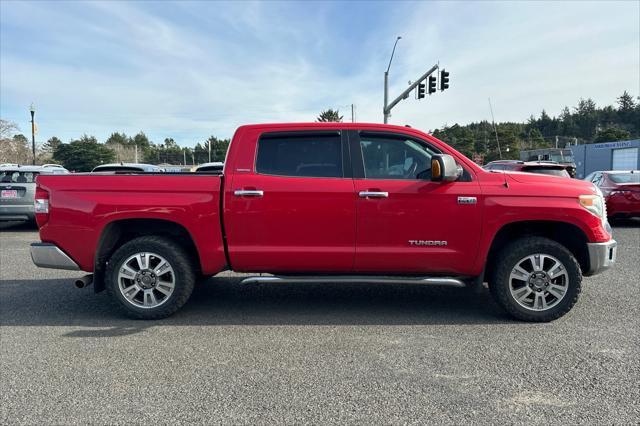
<point>188,70</point>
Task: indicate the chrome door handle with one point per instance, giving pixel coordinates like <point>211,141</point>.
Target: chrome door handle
<point>248,193</point>
<point>373,194</point>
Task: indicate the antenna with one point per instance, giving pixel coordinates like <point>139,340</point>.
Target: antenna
<point>493,122</point>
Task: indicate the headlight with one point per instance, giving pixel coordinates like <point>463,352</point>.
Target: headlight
<point>595,204</point>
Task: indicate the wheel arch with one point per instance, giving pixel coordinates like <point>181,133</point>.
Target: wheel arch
<point>118,232</point>
<point>567,234</point>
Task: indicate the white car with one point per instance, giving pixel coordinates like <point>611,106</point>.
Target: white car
<point>215,166</point>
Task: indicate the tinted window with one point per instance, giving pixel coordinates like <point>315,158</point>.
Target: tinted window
<point>625,177</point>
<point>14,176</point>
<point>547,171</point>
<point>391,158</point>
<point>306,156</point>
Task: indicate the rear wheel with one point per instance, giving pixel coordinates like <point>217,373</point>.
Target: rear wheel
<point>150,277</point>
<point>536,279</point>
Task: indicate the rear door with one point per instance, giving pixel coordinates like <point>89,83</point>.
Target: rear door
<point>405,222</point>
<point>293,210</point>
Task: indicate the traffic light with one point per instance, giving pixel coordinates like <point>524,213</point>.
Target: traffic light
<point>432,84</point>
<point>444,80</point>
<point>421,90</point>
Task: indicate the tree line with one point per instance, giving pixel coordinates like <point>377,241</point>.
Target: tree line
<point>584,123</point>
<point>85,153</point>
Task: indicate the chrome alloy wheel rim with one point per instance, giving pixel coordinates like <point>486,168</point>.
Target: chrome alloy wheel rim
<point>538,282</point>
<point>146,280</point>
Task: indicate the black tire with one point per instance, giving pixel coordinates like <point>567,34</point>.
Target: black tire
<point>511,255</point>
<point>177,258</point>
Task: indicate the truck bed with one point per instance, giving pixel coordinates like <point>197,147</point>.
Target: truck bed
<point>85,204</point>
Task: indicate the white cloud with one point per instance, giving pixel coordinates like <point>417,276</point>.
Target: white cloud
<point>195,69</point>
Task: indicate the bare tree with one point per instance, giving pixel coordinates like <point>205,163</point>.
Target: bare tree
<point>14,147</point>
<point>7,129</point>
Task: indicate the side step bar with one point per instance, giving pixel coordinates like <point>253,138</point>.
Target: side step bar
<point>358,279</point>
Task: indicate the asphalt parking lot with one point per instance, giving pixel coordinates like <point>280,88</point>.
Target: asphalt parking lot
<point>315,353</point>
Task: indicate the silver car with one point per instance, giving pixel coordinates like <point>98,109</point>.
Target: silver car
<point>124,168</point>
<point>18,187</point>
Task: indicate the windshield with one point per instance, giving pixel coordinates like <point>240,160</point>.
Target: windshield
<point>14,176</point>
<point>625,177</point>
<point>559,158</point>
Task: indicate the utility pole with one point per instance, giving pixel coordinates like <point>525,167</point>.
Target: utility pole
<point>184,156</point>
<point>32,109</point>
<point>353,115</point>
<point>209,142</point>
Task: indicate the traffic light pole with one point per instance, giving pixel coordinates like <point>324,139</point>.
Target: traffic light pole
<point>386,96</point>
<point>404,95</point>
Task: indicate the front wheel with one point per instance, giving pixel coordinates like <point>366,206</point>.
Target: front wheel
<point>150,277</point>
<point>536,279</point>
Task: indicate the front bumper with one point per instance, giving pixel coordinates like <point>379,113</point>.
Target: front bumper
<point>602,256</point>
<point>47,255</point>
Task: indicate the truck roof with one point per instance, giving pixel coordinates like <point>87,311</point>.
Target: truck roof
<point>330,125</point>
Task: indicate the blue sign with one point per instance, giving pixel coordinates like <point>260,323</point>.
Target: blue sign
<point>606,145</point>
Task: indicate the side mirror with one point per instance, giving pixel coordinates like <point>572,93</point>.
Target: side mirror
<point>444,168</point>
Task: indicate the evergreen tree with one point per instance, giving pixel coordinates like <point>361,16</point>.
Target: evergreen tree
<point>329,116</point>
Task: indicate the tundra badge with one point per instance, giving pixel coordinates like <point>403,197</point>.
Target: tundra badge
<point>427,243</point>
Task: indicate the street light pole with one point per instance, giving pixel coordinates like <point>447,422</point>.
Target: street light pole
<point>32,109</point>
<point>386,83</point>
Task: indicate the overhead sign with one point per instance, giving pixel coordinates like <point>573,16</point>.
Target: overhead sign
<point>607,145</point>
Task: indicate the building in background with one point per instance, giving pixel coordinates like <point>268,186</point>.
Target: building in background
<point>620,155</point>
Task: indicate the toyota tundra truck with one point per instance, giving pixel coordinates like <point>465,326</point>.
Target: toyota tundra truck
<point>328,202</point>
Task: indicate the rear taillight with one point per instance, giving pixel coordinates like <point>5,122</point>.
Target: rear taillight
<point>41,206</point>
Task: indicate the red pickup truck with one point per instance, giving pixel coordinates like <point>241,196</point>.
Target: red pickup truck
<point>328,202</point>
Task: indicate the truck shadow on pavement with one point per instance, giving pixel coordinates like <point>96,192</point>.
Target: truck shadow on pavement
<point>223,301</point>
<point>18,226</point>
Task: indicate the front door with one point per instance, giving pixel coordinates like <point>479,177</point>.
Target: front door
<point>407,224</point>
<point>295,211</point>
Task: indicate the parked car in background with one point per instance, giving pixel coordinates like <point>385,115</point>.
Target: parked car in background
<point>128,168</point>
<point>562,156</point>
<point>174,168</point>
<point>216,166</point>
<point>621,190</point>
<point>542,167</point>
<point>49,166</point>
<point>17,190</point>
